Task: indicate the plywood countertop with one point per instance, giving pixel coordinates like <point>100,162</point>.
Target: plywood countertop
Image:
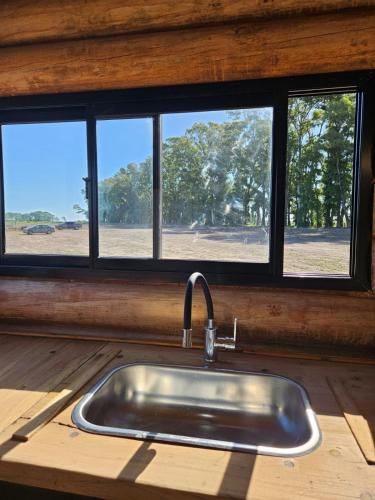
<point>41,380</point>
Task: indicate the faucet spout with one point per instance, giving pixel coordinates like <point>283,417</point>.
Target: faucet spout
<point>194,278</point>
<point>212,342</point>
<point>187,331</point>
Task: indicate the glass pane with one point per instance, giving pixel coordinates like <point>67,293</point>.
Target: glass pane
<point>216,174</point>
<point>319,184</point>
<point>45,205</point>
<point>125,187</point>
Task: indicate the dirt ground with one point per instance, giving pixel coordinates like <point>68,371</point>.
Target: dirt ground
<point>324,251</point>
<point>306,250</point>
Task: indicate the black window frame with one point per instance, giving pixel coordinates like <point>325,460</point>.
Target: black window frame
<point>154,102</point>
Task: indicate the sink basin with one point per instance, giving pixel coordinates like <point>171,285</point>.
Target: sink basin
<point>231,410</point>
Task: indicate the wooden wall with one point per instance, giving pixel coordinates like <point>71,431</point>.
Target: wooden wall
<point>148,312</point>
<point>53,46</point>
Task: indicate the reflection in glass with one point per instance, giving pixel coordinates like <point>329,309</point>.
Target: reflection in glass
<point>216,172</point>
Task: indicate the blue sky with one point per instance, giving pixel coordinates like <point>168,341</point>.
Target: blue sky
<point>44,163</point>
<point>43,167</point>
<point>124,141</point>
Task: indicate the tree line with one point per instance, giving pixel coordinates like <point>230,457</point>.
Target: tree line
<point>36,216</point>
<point>219,173</point>
<point>320,161</point>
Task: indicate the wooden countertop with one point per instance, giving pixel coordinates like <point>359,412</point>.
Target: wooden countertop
<point>39,375</point>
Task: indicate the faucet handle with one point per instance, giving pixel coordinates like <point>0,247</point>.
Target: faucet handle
<point>228,343</point>
<point>235,330</point>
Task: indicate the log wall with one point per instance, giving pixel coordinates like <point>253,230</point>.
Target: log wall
<point>25,22</point>
<point>146,312</point>
<point>54,46</point>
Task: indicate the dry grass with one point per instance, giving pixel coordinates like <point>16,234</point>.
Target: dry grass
<point>317,251</point>
<point>307,250</point>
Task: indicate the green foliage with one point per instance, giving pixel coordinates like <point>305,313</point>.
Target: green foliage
<point>219,174</point>
<point>320,160</point>
<point>215,174</point>
<point>37,216</point>
<point>81,211</point>
<point>127,196</point>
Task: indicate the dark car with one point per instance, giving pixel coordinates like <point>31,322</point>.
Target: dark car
<point>39,229</point>
<point>69,225</point>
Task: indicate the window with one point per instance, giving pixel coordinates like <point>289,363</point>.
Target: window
<point>125,187</point>
<point>320,159</point>
<point>43,167</point>
<point>263,182</point>
<point>216,189</point>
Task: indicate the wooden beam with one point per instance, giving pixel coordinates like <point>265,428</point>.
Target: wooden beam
<point>29,22</point>
<point>256,49</point>
<point>150,312</point>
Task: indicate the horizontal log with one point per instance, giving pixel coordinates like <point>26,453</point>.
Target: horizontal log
<point>29,22</point>
<point>258,49</point>
<point>152,312</point>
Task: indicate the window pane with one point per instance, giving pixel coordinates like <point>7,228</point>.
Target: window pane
<point>319,184</point>
<point>125,187</point>
<point>216,171</point>
<point>45,205</point>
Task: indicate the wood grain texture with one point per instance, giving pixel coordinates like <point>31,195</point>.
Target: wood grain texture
<point>359,423</point>
<point>253,49</point>
<point>62,458</point>
<point>29,370</point>
<point>31,421</point>
<point>143,311</point>
<point>50,20</point>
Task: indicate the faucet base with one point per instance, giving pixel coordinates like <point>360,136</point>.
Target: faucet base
<point>210,345</point>
<point>187,338</point>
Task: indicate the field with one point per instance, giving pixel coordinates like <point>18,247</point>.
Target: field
<point>306,250</point>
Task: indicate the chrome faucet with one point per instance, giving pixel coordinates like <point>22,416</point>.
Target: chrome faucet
<point>212,342</point>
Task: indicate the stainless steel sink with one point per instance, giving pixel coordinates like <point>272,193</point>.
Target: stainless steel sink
<point>252,412</point>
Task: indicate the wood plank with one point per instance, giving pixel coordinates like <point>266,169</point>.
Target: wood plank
<point>356,421</point>
<point>30,22</point>
<point>115,468</point>
<point>254,49</point>
<point>41,365</point>
<point>361,390</point>
<point>53,402</point>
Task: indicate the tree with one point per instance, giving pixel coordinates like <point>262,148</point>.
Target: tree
<point>320,160</point>
<point>251,164</point>
<point>219,174</point>
<point>338,144</point>
<point>36,216</point>
<point>126,197</point>
<point>306,122</point>
<point>80,211</point>
<point>184,193</point>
